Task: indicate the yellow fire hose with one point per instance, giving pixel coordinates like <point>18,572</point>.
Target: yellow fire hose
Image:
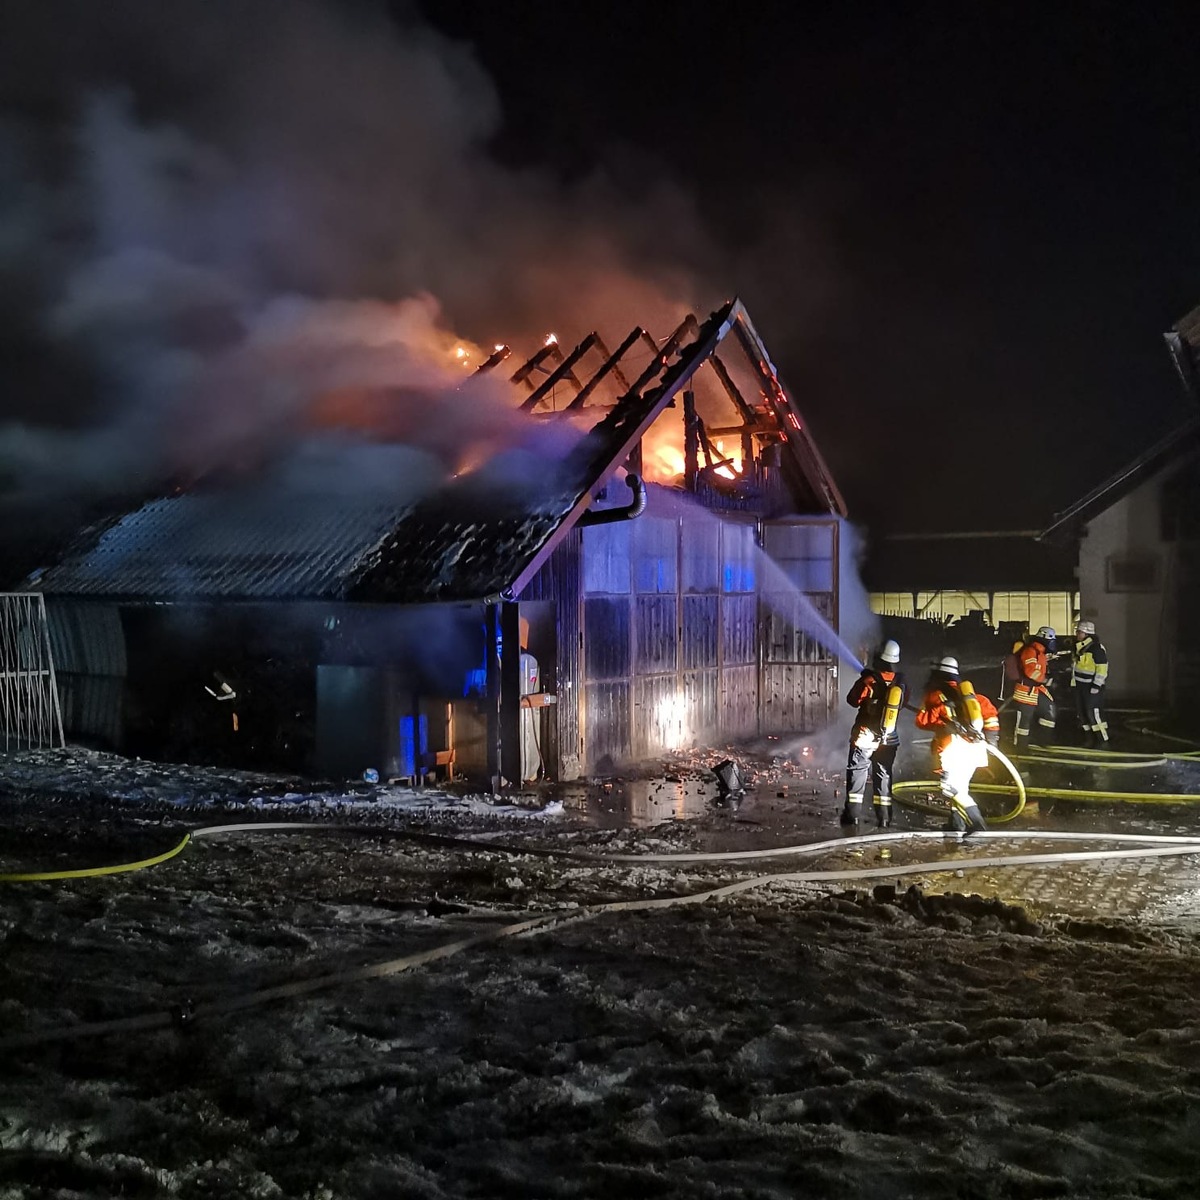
<point>88,872</point>
<point>941,810</point>
<point>1113,760</point>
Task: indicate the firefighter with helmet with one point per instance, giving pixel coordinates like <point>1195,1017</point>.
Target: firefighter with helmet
<point>879,694</point>
<point>961,722</point>
<point>1089,677</point>
<point>1031,696</point>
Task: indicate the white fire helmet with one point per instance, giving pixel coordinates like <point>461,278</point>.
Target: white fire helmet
<point>948,666</point>
<point>1045,634</point>
<point>890,652</point>
<point>1085,627</point>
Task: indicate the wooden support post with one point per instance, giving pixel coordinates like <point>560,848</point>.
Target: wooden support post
<point>510,692</point>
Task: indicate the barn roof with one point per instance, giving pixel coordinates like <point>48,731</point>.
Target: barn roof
<point>283,538</point>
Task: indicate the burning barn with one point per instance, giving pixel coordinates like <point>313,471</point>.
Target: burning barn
<point>644,574</point>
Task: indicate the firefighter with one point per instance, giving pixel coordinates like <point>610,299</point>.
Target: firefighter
<point>1031,696</point>
<point>961,721</point>
<point>879,694</point>
<point>1089,677</point>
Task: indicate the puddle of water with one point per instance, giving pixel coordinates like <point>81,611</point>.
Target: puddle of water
<point>641,803</point>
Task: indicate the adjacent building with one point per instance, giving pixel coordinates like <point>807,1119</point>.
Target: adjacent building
<point>1137,540</point>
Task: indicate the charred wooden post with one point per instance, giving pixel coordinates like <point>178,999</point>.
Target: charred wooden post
<point>493,696</point>
<point>691,441</point>
<point>510,692</point>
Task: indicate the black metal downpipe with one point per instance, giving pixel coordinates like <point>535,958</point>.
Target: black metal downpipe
<point>607,516</point>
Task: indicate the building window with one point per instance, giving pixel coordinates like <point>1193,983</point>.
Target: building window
<point>1132,573</point>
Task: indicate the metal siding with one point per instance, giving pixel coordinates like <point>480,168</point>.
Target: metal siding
<point>606,725</point>
<point>88,645</point>
<point>657,634</point>
<point>86,639</point>
<point>699,632</point>
<point>91,707</point>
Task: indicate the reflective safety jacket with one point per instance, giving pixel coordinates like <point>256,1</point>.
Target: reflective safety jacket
<point>1091,663</point>
<point>942,705</point>
<point>1034,666</point>
<point>868,693</point>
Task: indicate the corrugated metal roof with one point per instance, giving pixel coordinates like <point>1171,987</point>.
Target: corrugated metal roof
<point>209,546</point>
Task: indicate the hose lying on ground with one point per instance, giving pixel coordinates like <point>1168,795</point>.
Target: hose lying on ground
<point>1151,846</point>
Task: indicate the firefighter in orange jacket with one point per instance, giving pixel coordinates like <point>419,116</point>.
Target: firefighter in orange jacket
<point>879,694</point>
<point>960,721</point>
<point>1031,697</point>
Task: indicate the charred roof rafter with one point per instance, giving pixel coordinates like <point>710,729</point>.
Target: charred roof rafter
<point>564,371</point>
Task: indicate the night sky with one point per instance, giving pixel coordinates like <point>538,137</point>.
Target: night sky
<point>961,229</point>
<point>964,227</point>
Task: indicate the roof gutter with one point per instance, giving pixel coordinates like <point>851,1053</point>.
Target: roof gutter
<point>608,516</point>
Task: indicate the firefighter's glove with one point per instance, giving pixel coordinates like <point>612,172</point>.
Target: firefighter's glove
<point>1096,691</point>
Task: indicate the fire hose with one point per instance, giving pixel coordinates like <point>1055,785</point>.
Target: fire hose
<point>180,1016</point>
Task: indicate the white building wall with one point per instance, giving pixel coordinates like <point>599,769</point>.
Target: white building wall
<point>1116,547</point>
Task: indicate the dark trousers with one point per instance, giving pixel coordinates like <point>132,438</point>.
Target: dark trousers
<point>1087,704</point>
<point>875,763</point>
<point>1035,722</point>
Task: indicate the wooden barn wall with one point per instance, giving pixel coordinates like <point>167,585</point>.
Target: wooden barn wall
<point>682,629</point>
<point>664,619</point>
<point>799,677</point>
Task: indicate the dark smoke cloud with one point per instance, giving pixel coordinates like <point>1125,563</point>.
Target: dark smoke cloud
<point>212,211</point>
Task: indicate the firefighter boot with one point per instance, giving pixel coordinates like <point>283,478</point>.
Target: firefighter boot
<point>883,816</point>
<point>849,814</point>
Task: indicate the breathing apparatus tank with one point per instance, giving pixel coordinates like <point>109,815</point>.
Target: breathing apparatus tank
<point>891,711</point>
<point>971,711</point>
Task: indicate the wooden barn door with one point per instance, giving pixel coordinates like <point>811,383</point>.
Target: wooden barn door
<point>798,591</point>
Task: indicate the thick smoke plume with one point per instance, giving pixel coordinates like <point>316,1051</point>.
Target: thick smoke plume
<point>231,225</point>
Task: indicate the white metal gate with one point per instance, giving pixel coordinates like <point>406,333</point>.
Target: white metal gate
<point>29,707</point>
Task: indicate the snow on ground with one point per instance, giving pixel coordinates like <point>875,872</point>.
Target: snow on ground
<point>791,1039</point>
